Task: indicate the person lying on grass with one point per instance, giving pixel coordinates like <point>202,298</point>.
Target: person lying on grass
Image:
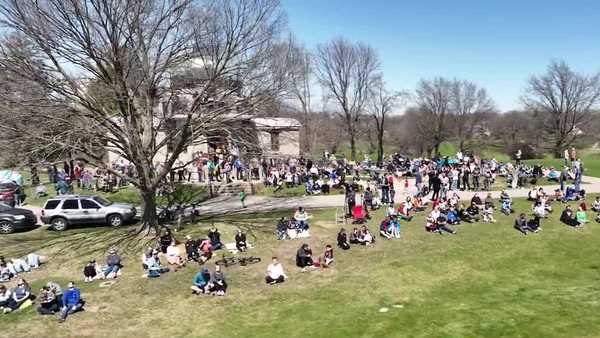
<point>568,218</point>
<point>275,273</point>
<point>20,295</point>
<point>342,240</point>
<point>201,282</point>
<point>72,301</point>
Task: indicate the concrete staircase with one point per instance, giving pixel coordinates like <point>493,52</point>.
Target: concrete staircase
<point>234,188</point>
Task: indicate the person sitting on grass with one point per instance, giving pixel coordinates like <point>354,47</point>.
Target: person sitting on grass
<point>404,210</point>
<point>5,296</point>
<point>201,282</point>
<point>90,271</point>
<point>384,228</point>
<point>327,256</point>
<point>20,295</point>
<point>275,272</point>
<point>521,224</point>
<point>365,237</point>
<point>476,201</point>
<point>568,218</point>
<point>473,211</point>
<point>165,240</point>
<point>465,216</point>
<point>342,240</point>
<point>48,303</point>
<point>71,301</point>
<point>488,213</point>
<point>394,227</point>
<point>534,224</point>
<point>506,207</point>
<point>174,255</point>
<point>240,241</point>
<point>354,236</point>
<point>442,226</point>
<point>596,204</point>
<point>191,248</point>
<point>218,284</point>
<point>452,216</point>
<point>113,264</point>
<point>215,239</point>
<point>304,257</point>
<point>301,218</point>
<point>282,226</point>
<point>153,264</point>
<point>581,216</point>
<point>206,251</point>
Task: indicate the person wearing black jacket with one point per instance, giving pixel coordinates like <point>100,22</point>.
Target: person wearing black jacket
<point>215,239</point>
<point>521,224</point>
<point>240,241</point>
<point>436,185</point>
<point>567,218</point>
<point>191,248</point>
<point>466,185</point>
<point>304,257</point>
<point>342,240</point>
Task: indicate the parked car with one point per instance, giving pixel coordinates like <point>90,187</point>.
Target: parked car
<point>62,211</point>
<point>7,193</point>
<point>12,219</point>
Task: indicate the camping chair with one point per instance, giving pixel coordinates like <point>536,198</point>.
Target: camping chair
<point>359,214</point>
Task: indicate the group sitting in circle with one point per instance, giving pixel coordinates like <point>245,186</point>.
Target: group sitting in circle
<point>297,227</point>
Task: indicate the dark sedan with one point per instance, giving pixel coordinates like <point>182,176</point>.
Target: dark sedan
<point>12,219</point>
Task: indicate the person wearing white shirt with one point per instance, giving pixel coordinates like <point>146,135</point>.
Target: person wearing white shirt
<point>174,255</point>
<point>275,272</point>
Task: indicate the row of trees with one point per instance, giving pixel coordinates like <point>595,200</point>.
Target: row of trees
<point>558,105</point>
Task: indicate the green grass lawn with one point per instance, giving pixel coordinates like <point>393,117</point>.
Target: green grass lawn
<point>486,281</point>
<point>591,161</point>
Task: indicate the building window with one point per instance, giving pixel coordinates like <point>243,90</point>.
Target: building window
<point>275,141</point>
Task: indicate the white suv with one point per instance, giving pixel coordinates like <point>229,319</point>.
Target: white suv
<point>65,210</point>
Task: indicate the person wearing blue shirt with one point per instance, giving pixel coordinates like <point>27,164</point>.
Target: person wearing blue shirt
<point>201,282</point>
<point>71,301</point>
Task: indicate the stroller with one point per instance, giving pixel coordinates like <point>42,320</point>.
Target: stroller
<point>360,214</point>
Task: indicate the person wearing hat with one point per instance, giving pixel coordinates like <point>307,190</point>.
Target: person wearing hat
<point>201,282</point>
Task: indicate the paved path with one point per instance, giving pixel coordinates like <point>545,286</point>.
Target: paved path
<point>227,204</point>
<point>231,204</point>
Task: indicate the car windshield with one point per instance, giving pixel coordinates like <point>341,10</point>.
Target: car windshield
<point>102,201</point>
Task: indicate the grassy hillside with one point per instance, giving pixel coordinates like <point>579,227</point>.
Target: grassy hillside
<point>486,281</point>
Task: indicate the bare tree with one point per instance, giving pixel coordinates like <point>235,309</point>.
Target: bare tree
<point>301,84</point>
<point>564,100</point>
<point>347,71</point>
<point>434,100</point>
<point>136,53</point>
<point>468,103</point>
<point>382,102</point>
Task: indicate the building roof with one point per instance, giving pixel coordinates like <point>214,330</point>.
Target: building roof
<point>276,123</point>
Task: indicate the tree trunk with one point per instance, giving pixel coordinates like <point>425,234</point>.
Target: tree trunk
<point>380,146</point>
<point>149,217</point>
<point>352,146</point>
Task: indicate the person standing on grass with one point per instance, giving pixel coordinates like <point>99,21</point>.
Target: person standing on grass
<point>275,273</point>
<point>71,301</point>
<point>243,198</point>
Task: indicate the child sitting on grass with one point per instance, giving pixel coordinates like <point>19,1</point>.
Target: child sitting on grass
<point>488,213</point>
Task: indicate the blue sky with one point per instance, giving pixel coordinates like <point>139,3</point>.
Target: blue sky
<point>497,44</point>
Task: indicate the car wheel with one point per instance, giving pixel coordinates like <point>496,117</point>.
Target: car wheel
<point>115,220</point>
<point>59,224</point>
<point>6,227</point>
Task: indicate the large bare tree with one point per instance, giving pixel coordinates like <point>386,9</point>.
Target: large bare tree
<point>119,66</point>
<point>469,103</point>
<point>382,103</point>
<point>347,71</point>
<point>434,101</point>
<point>564,100</point>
